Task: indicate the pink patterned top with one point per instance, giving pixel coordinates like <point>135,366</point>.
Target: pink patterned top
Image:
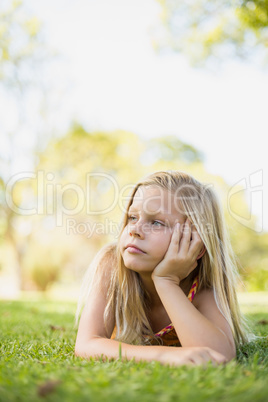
<point>168,334</point>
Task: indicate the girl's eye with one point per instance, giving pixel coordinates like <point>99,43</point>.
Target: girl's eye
<point>158,224</point>
<point>132,218</point>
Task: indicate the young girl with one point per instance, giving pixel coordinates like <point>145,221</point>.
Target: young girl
<point>169,281</point>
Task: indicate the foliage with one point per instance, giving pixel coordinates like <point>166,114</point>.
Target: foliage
<point>210,29</point>
<point>253,259</point>
<point>250,245</point>
<point>37,360</point>
<point>24,61</point>
<point>19,44</point>
<point>45,274</point>
<point>170,149</point>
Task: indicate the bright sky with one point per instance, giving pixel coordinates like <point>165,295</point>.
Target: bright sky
<point>118,81</point>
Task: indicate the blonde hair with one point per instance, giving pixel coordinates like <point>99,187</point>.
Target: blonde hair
<point>127,298</point>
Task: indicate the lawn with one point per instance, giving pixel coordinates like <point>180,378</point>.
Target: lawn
<point>37,363</point>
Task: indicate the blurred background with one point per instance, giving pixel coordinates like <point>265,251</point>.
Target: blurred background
<point>96,94</point>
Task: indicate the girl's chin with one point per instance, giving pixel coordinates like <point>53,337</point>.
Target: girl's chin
<point>135,263</point>
<point>140,269</point>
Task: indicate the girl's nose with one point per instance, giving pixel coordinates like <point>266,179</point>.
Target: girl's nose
<point>135,230</point>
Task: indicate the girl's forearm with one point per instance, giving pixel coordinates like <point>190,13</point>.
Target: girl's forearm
<point>192,327</point>
<point>98,346</point>
<point>103,348</point>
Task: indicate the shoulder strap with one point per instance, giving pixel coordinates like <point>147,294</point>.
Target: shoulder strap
<point>193,289</point>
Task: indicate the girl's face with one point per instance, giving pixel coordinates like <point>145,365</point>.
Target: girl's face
<point>151,220</point>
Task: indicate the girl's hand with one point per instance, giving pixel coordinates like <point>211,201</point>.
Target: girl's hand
<point>181,257</point>
<point>194,356</point>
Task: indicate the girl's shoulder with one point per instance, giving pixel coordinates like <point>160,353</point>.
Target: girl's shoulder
<point>107,254</point>
<point>98,277</point>
<point>203,296</point>
<point>205,302</point>
<point>108,249</point>
<point>105,261</point>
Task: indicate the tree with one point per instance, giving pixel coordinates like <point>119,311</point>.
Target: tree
<point>23,56</point>
<point>19,45</point>
<point>206,30</point>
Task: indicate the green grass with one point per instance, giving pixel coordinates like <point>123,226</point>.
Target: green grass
<point>37,363</point>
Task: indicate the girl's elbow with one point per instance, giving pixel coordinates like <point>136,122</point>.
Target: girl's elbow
<point>230,353</point>
<point>78,351</point>
<point>228,347</point>
<point>85,349</point>
<point>82,352</point>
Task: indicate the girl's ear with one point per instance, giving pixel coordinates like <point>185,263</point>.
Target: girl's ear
<point>202,252</point>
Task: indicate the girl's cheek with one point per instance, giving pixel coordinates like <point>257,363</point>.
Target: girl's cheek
<point>122,239</point>
<point>166,242</point>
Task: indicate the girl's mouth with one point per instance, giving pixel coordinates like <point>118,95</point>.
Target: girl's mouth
<point>131,248</point>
